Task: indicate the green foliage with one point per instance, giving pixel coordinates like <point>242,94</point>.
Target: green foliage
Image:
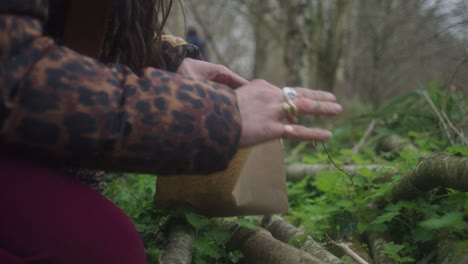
<point>332,203</point>
<point>134,194</point>
<point>392,250</point>
<point>298,241</point>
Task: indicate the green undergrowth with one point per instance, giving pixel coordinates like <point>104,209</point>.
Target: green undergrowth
<point>334,205</point>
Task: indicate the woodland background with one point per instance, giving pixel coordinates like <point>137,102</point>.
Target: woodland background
<point>392,184</point>
<point>364,50</point>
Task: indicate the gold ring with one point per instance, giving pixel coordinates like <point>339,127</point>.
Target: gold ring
<point>292,113</point>
<point>288,109</point>
<point>293,106</point>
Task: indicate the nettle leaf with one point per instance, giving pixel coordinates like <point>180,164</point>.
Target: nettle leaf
<point>386,217</point>
<point>243,222</point>
<point>329,181</point>
<point>362,227</point>
<point>420,234</point>
<point>450,220</point>
<point>205,247</point>
<point>392,249</point>
<point>197,221</point>
<point>219,235</point>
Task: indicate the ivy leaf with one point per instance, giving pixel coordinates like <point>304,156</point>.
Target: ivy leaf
<point>197,221</point>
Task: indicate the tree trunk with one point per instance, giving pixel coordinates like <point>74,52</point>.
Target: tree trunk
<point>179,247</point>
<point>286,232</point>
<point>293,45</point>
<point>438,170</point>
<point>259,246</point>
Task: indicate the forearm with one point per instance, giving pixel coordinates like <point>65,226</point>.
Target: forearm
<point>73,108</point>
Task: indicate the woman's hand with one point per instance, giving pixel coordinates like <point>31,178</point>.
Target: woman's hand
<point>205,71</point>
<point>262,111</point>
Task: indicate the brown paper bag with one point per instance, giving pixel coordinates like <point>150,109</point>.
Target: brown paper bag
<point>253,184</point>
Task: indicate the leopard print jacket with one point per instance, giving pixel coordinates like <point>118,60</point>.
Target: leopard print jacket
<point>60,106</point>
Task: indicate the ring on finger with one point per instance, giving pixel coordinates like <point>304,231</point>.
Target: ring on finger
<point>289,94</point>
<point>291,111</point>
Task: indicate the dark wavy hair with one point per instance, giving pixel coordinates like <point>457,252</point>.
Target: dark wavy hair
<point>133,34</point>
<point>133,31</point>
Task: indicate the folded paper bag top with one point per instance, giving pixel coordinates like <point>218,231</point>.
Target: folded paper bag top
<point>253,184</point>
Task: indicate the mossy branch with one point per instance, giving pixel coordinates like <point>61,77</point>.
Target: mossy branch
<point>179,247</point>
<point>259,246</point>
<point>287,233</point>
<point>438,170</point>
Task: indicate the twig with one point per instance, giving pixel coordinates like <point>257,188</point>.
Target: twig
<point>345,247</point>
<point>462,137</point>
<point>364,138</point>
<point>336,166</point>
<point>436,111</point>
<point>455,73</point>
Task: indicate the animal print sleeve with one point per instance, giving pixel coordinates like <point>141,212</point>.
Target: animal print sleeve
<point>58,104</point>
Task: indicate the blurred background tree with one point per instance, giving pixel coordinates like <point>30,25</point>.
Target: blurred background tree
<point>365,51</point>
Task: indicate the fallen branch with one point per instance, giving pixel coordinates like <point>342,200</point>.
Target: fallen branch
<point>348,251</point>
<point>259,246</point>
<point>179,247</point>
<point>446,248</point>
<point>296,172</point>
<point>462,260</point>
<point>370,129</point>
<point>460,134</point>
<point>287,233</point>
<point>438,170</point>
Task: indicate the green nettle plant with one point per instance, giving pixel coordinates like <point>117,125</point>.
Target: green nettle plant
<point>361,206</point>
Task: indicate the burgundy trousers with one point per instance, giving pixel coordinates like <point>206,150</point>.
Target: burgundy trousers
<point>48,217</point>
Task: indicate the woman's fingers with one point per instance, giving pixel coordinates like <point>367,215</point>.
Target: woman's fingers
<point>265,109</point>
<point>299,132</point>
<point>315,107</point>
<point>227,77</point>
<point>315,94</point>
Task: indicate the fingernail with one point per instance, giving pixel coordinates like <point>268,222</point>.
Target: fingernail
<point>337,108</point>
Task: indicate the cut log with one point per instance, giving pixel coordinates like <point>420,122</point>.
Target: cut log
<point>376,244</point>
<point>438,170</point>
<point>394,143</point>
<point>296,172</point>
<point>179,247</point>
<point>259,246</point>
<point>286,232</point>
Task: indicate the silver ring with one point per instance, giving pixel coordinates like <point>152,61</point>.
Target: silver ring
<point>289,94</point>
